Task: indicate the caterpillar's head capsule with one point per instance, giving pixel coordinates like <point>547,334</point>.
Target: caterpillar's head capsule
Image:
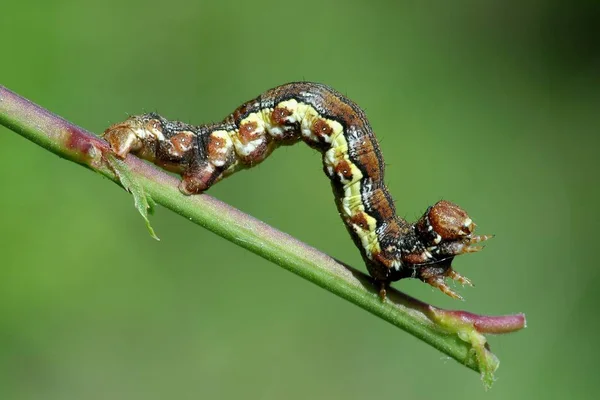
<point>444,222</point>
<point>445,231</point>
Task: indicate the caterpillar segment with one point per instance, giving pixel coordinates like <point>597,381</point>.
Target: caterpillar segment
<point>327,121</point>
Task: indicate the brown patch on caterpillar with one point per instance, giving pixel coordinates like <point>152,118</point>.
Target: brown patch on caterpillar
<point>360,219</point>
<point>321,128</point>
<point>279,116</point>
<point>377,200</point>
<point>248,132</point>
<point>219,148</point>
<point>363,153</point>
<point>344,169</point>
<point>180,144</point>
<point>215,145</point>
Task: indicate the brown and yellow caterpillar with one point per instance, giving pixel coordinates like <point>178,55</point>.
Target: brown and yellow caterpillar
<point>334,125</point>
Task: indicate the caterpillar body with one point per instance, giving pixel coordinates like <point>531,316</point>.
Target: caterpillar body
<point>327,121</point>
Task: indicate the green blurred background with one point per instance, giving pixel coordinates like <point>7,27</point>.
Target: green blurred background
<point>493,105</point>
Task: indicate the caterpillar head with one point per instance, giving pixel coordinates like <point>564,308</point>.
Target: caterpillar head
<point>444,231</point>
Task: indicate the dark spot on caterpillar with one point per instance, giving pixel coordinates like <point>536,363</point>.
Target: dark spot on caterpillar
<point>321,128</point>
<point>216,150</point>
<point>343,168</point>
<point>181,143</point>
<point>360,220</point>
<point>215,143</point>
<point>248,132</point>
<point>279,116</point>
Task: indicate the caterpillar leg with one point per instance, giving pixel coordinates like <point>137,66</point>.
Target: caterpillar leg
<point>383,290</point>
<point>438,282</point>
<point>197,178</point>
<point>455,276</point>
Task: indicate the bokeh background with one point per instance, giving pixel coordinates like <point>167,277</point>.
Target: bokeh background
<point>494,105</point>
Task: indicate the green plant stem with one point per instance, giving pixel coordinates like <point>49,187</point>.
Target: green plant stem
<point>456,333</point>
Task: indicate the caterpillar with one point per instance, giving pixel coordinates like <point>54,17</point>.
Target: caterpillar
<point>327,121</point>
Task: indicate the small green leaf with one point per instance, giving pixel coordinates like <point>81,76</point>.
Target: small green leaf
<point>143,202</point>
